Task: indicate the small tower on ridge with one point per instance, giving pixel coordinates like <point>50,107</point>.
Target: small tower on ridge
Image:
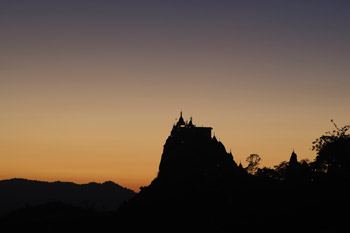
<point>181,123</point>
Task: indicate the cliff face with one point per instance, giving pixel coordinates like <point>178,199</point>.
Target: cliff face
<point>190,157</point>
<point>193,163</point>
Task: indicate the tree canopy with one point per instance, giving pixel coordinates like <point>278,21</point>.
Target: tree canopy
<point>333,150</point>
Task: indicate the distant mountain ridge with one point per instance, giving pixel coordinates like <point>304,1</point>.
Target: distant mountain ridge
<point>18,193</point>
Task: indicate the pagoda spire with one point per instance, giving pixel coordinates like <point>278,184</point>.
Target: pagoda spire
<point>181,121</point>
<point>190,124</point>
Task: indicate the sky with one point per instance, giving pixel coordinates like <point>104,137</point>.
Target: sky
<point>89,90</point>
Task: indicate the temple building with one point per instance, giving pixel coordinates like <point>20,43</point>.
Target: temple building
<point>183,129</point>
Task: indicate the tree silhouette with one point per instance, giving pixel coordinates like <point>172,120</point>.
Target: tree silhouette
<point>281,169</point>
<point>253,161</point>
<point>333,151</point>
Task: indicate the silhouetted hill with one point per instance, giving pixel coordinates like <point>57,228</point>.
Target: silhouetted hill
<point>199,188</point>
<point>19,193</point>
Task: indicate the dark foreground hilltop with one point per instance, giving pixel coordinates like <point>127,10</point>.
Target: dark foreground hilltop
<point>28,204</point>
<point>200,188</point>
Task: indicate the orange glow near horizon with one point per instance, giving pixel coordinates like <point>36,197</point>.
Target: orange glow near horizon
<point>99,150</point>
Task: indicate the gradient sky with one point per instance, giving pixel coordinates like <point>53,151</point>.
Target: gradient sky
<point>89,90</point>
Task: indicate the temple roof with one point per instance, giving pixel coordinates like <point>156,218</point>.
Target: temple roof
<point>181,120</point>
